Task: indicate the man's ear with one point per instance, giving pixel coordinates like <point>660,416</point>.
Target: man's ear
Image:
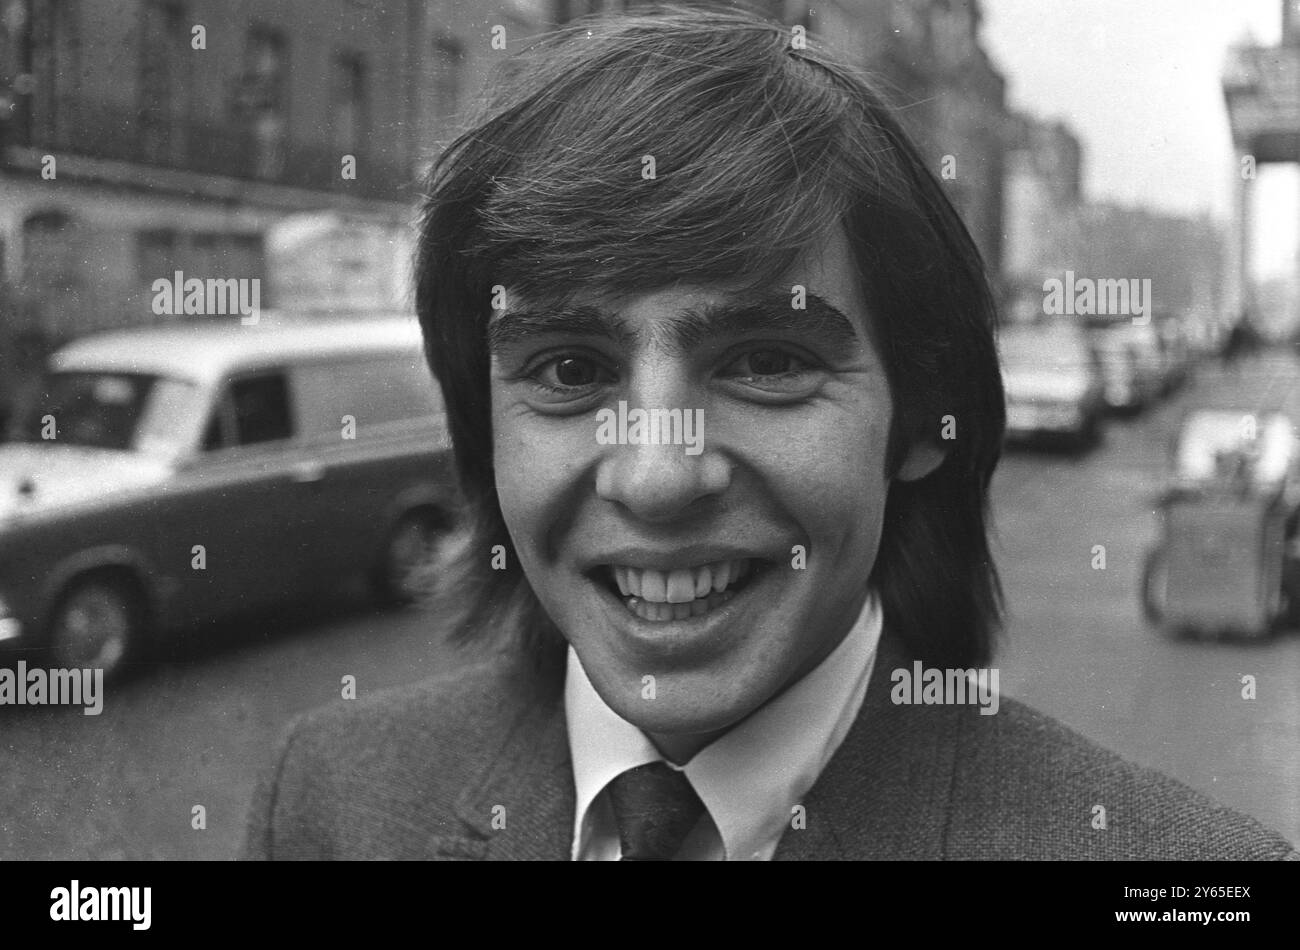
<point>922,459</point>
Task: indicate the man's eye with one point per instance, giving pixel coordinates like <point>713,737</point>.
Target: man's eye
<point>765,362</point>
<point>773,373</point>
<point>566,373</point>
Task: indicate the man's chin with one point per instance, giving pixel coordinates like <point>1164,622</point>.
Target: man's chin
<point>684,706</point>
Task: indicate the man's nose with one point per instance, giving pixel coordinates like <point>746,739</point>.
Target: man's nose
<point>660,482</point>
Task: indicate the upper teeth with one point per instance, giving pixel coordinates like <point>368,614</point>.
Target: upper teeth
<point>679,586</point>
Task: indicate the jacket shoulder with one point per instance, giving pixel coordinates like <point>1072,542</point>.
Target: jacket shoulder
<point>1028,787</point>
<point>380,776</point>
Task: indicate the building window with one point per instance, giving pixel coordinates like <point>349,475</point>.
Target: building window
<point>532,11</point>
<point>348,104</point>
<point>563,11</point>
<point>164,81</point>
<point>1291,22</point>
<point>567,10</point>
<point>56,64</point>
<point>263,98</point>
<point>155,254</point>
<point>953,30</point>
<point>50,252</point>
<point>448,63</point>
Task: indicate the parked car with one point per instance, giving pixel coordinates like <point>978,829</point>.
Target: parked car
<point>1175,351</point>
<point>167,476</point>
<point>1053,383</point>
<point>1131,361</point>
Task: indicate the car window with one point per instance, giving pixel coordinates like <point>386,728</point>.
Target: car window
<point>99,410</point>
<point>1050,349</point>
<point>372,390</point>
<point>252,409</point>
<point>112,410</point>
<point>261,409</point>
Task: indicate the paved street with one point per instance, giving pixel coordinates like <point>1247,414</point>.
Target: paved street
<point>197,729</point>
<point>1077,647</point>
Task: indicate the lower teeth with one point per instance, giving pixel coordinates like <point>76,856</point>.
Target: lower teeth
<point>648,610</point>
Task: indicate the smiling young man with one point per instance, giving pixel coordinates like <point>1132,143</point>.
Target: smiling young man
<point>698,650</point>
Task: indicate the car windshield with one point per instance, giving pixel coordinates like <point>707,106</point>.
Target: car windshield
<point>1047,349</point>
<point>111,410</point>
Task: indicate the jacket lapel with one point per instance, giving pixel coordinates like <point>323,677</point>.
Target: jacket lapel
<point>886,792</point>
<point>521,808</point>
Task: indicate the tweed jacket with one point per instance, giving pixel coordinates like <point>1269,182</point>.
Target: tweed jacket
<point>476,766</point>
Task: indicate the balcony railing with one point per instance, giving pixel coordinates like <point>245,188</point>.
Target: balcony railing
<point>234,150</point>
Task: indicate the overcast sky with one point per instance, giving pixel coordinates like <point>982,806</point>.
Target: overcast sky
<point>1139,82</point>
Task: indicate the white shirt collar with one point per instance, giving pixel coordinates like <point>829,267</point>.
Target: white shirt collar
<point>750,777</point>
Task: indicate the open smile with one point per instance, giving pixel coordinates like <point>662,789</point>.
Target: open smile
<point>683,593</point>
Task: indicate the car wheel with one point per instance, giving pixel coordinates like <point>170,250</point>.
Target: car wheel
<point>1155,586</point>
<point>404,573</point>
<point>96,624</point>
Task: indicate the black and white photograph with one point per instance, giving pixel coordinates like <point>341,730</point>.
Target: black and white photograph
<point>547,430</point>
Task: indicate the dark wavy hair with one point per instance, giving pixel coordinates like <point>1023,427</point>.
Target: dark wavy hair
<point>760,145</point>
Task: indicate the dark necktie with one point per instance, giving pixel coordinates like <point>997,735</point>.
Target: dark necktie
<point>656,808</point>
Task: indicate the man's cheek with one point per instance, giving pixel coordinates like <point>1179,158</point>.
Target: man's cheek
<point>523,502</point>
<point>535,495</point>
<point>828,486</point>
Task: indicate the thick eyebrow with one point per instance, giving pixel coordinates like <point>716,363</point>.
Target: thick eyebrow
<point>819,320</point>
<point>515,325</point>
<point>767,313</point>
